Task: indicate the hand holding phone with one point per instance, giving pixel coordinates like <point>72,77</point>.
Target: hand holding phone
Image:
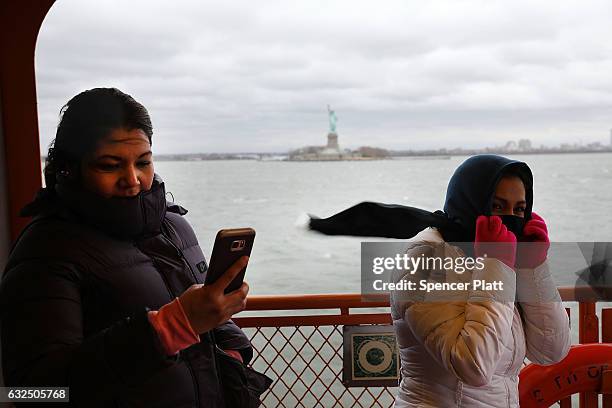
<point>208,306</point>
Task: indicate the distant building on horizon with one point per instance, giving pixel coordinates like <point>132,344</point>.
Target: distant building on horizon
<point>332,151</point>
<point>524,145</point>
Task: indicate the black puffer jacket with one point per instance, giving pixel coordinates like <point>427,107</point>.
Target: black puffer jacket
<point>74,302</point>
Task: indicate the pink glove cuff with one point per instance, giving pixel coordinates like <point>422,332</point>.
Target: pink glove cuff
<point>234,353</point>
<point>173,327</point>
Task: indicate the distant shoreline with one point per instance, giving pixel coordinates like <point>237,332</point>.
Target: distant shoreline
<point>392,154</point>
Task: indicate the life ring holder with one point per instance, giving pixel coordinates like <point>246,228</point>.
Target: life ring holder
<point>586,368</point>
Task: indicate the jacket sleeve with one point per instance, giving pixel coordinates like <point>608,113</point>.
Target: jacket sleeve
<point>468,337</point>
<point>546,323</point>
<point>43,342</point>
<point>230,337</point>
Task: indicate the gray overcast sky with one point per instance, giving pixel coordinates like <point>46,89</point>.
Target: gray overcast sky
<point>244,76</point>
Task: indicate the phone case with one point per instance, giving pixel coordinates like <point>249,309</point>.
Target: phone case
<point>230,245</point>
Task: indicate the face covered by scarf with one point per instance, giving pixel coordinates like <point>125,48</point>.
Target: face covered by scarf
<point>469,194</point>
<point>514,223</point>
<point>123,217</point>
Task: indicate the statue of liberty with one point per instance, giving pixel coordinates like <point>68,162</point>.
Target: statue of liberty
<point>333,119</point>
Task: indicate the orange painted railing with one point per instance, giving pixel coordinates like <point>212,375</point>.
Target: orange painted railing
<point>303,352</point>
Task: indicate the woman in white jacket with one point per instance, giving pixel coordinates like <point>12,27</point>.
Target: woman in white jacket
<point>465,348</point>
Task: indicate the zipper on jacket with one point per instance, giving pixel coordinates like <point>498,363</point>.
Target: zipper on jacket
<point>514,345</point>
<point>165,235</point>
<point>514,341</point>
<point>179,253</point>
<point>196,388</point>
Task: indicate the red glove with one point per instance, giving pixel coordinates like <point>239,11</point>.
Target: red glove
<point>533,248</point>
<point>494,240</point>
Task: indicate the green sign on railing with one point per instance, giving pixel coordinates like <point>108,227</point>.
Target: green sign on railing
<point>370,356</point>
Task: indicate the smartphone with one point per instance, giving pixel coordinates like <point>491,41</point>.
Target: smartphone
<point>230,245</point>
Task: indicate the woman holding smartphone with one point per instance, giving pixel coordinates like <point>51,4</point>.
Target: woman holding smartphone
<point>103,291</point>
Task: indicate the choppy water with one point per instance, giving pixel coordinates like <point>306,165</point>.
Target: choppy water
<point>573,192</point>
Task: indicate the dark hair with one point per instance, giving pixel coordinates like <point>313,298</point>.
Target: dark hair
<point>514,171</point>
<point>87,118</point>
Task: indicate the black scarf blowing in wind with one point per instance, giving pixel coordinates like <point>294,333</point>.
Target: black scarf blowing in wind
<point>469,194</point>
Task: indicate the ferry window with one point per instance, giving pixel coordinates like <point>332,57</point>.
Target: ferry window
<point>264,112</point>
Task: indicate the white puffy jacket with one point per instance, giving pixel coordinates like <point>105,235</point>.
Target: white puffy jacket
<point>467,352</point>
